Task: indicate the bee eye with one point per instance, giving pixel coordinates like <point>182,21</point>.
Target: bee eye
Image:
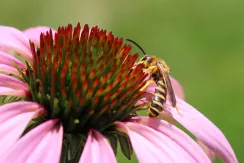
<point>144,58</point>
<point>150,60</point>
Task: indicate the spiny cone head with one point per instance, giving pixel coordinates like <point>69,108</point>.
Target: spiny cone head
<point>84,77</point>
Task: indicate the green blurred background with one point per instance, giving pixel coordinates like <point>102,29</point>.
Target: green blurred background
<point>202,41</point>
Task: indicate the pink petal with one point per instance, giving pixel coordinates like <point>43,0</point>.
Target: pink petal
<point>150,89</point>
<point>9,60</point>
<point>143,148</point>
<point>42,144</point>
<point>164,143</point>
<point>208,152</point>
<point>10,82</point>
<point>14,117</point>
<point>12,92</point>
<point>178,90</point>
<point>204,130</point>
<point>90,147</point>
<point>108,155</point>
<point>49,146</point>
<point>167,117</point>
<point>8,70</point>
<point>97,149</point>
<point>34,33</point>
<point>14,39</point>
<point>148,143</point>
<point>15,108</point>
<point>176,135</point>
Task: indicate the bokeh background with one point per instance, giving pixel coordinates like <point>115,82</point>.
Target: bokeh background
<point>202,41</point>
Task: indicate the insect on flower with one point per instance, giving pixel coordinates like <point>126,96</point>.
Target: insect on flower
<point>76,99</point>
<point>159,71</point>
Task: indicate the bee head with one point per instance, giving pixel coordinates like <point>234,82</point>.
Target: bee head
<point>146,60</point>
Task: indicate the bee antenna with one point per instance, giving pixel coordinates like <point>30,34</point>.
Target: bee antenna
<point>137,45</point>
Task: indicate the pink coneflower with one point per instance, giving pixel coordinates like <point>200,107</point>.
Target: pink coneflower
<point>76,97</point>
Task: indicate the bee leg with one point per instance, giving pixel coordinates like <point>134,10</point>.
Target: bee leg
<point>142,106</point>
<point>151,69</point>
<point>146,85</point>
<point>178,110</point>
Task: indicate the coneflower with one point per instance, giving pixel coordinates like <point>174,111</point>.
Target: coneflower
<point>76,97</point>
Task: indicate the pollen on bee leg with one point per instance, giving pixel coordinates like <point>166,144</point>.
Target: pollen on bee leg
<point>146,85</point>
<point>151,69</point>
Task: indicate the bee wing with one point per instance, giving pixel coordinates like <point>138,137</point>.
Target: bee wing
<point>167,83</point>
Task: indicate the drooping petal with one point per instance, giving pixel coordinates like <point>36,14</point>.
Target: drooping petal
<point>9,60</point>
<point>176,135</point>
<point>10,82</point>
<point>34,33</point>
<point>108,156</point>
<point>13,92</point>
<point>169,147</point>
<point>42,144</point>
<point>208,152</point>
<point>14,117</point>
<point>203,129</point>
<point>97,149</point>
<point>147,98</point>
<point>5,69</point>
<point>142,147</point>
<point>90,146</point>
<point>50,146</point>
<point>162,147</point>
<point>14,39</point>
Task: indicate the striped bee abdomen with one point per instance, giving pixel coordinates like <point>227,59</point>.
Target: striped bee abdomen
<point>158,100</point>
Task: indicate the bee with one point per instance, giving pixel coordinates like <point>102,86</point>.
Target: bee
<point>159,71</point>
